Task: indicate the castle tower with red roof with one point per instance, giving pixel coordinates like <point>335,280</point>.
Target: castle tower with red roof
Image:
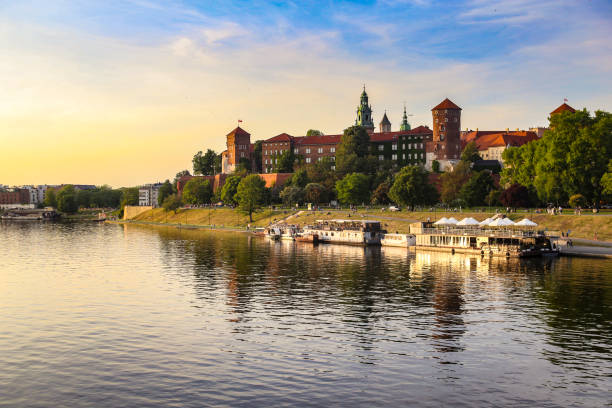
<point>238,147</point>
<point>446,144</point>
<point>563,108</point>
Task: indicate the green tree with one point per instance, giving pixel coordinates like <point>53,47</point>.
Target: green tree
<point>493,197</point>
<point>257,157</point>
<point>354,146</point>
<point>83,198</point>
<point>197,191</point>
<point>606,181</point>
<point>250,194</point>
<point>104,196</point>
<point>283,162</point>
<point>411,187</point>
<point>435,166</point>
<point>229,190</point>
<point>314,132</point>
<point>205,164</point>
<point>316,193</point>
<point>354,188</point>
<point>474,192</point>
<point>577,200</point>
<point>292,195</point>
<point>452,181</point>
<point>66,200</point>
<point>50,198</point>
<point>172,203</point>
<point>165,190</point>
<point>321,172</point>
<point>470,153</point>
<point>381,193</point>
<point>515,196</point>
<point>299,178</point>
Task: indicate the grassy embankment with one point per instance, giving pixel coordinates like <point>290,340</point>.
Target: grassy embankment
<point>583,226</point>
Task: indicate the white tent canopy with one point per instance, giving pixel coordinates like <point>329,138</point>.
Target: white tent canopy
<point>468,221</point>
<point>525,222</point>
<point>452,221</point>
<point>442,221</point>
<point>485,222</point>
<point>501,222</point>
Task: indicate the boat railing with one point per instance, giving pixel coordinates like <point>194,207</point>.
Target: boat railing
<point>502,233</point>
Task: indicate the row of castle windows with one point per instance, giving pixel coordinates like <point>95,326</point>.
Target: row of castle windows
<point>394,146</point>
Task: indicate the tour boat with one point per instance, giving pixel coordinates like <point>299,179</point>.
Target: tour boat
<point>398,240</point>
<point>352,232</point>
<point>307,237</point>
<point>482,240</point>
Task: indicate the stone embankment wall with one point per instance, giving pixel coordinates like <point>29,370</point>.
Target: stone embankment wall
<point>131,211</point>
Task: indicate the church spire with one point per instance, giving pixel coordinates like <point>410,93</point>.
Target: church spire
<point>405,125</point>
<point>364,113</point>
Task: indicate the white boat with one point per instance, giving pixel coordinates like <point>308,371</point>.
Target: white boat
<point>352,232</point>
<point>289,232</point>
<point>398,240</point>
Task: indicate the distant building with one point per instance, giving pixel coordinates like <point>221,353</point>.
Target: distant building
<point>148,195</point>
<point>492,146</point>
<point>14,196</point>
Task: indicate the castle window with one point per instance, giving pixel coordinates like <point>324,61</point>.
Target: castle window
<point>308,160</point>
<point>394,157</point>
<point>381,157</point>
<point>296,150</point>
<point>404,156</point>
<point>319,159</point>
<point>333,167</point>
<point>320,150</point>
<point>308,151</point>
<point>333,158</point>
<point>381,148</point>
<point>332,149</point>
<point>446,119</point>
<point>394,146</point>
<point>404,146</point>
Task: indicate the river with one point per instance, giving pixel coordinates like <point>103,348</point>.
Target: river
<point>112,315</point>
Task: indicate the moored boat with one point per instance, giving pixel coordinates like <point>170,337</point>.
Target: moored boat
<point>398,240</point>
<point>351,232</point>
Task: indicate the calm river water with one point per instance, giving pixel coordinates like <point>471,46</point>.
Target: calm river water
<point>126,316</point>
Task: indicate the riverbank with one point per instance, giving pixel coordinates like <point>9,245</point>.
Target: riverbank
<point>587,227</point>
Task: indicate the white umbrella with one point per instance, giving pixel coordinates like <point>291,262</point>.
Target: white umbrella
<point>525,222</point>
<point>452,221</point>
<point>485,222</point>
<point>501,222</point>
<point>442,221</point>
<point>468,221</point>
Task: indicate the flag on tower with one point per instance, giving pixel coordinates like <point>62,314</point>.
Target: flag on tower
<point>564,99</point>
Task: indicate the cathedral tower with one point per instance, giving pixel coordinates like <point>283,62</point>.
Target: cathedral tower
<point>364,113</point>
<point>385,124</point>
<point>405,125</point>
<point>446,130</point>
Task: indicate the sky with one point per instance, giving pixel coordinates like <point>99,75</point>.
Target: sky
<point>126,92</point>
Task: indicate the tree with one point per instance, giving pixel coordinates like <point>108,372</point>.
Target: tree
<point>354,146</point>
<point>470,153</point>
<point>569,159</point>
<point>435,166</point>
<point>321,172</point>
<point>606,180</point>
<point>292,195</point>
<point>229,189</point>
<point>577,200</point>
<point>515,196</point>
<point>83,198</point>
<point>315,193</point>
<point>257,157</point>
<point>381,193</point>
<point>452,181</point>
<point>299,178</point>
<point>475,190</point>
<point>165,190</point>
<point>314,132</point>
<point>197,191</point>
<point>493,197</point>
<point>250,194</point>
<point>129,196</point>
<point>172,203</point>
<point>244,166</point>
<point>50,198</point>
<point>205,164</point>
<point>411,187</point>
<point>283,163</point>
<point>66,200</point>
<point>354,188</point>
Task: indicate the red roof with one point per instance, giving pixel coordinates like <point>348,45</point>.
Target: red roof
<point>505,139</point>
<point>325,139</point>
<point>475,134</point>
<point>563,108</point>
<point>446,104</point>
<point>239,132</point>
<point>283,137</point>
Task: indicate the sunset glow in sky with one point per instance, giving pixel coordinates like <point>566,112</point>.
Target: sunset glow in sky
<point>126,92</point>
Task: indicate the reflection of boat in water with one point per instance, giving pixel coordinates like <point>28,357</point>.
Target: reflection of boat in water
<point>30,214</point>
<point>352,232</point>
<point>398,240</point>
<point>482,241</point>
